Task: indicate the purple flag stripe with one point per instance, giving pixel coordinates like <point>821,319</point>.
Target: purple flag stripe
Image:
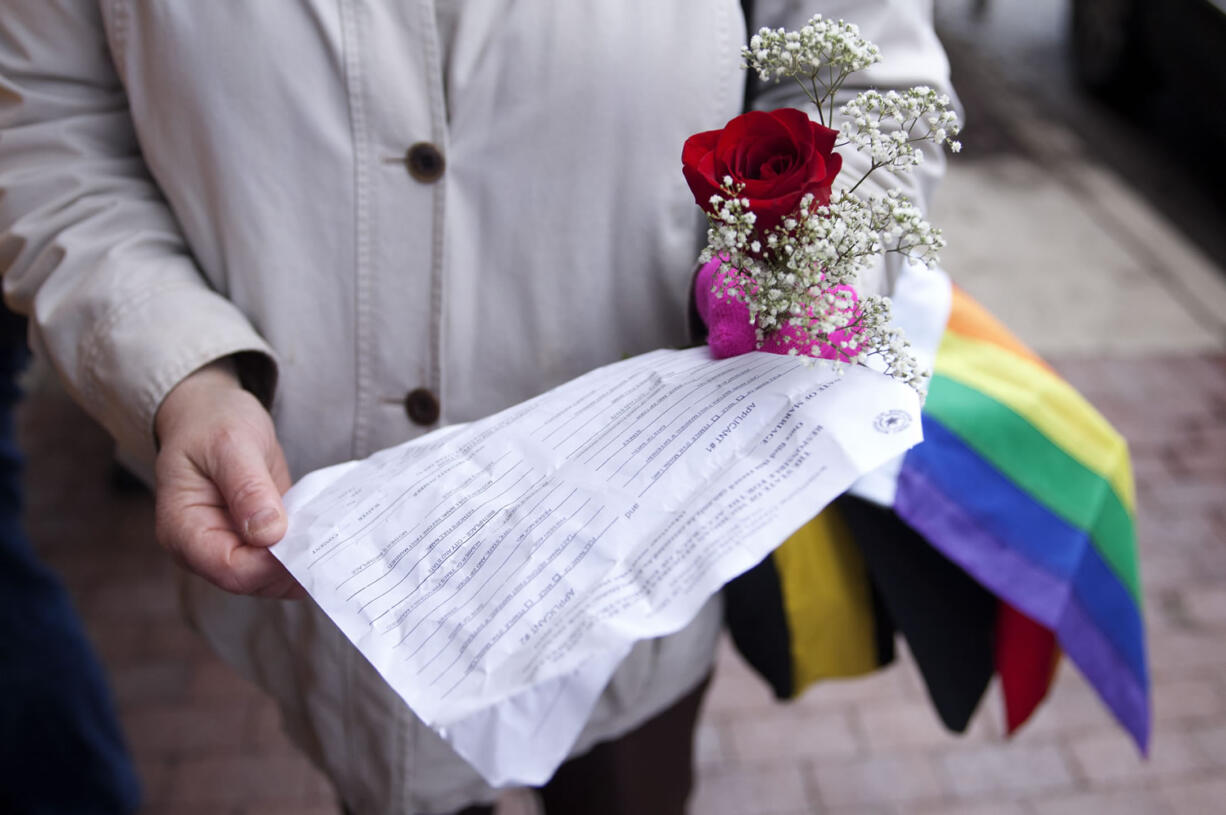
<point>1033,591</point>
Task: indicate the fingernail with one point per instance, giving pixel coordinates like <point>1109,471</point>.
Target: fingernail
<point>260,521</point>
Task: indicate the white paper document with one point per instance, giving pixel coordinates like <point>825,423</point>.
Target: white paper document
<point>496,573</point>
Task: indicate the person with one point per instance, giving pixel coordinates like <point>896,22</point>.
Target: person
<point>61,748</point>
<point>261,238</point>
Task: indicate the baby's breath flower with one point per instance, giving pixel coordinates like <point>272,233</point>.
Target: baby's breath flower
<point>904,228</point>
<point>888,125</point>
<point>820,43</point>
<point>820,57</point>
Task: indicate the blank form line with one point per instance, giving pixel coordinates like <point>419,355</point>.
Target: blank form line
<point>540,568</point>
<point>527,516</point>
<point>391,505</point>
<point>429,550</point>
<point>465,674</point>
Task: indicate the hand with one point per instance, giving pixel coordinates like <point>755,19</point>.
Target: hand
<point>220,476</point>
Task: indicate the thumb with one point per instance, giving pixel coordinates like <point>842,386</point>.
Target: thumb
<point>246,482</point>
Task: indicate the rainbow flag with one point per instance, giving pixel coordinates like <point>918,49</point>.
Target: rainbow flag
<point>1026,487</point>
<point>1024,496</point>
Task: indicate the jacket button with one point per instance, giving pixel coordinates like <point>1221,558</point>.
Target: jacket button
<point>422,406</point>
<point>425,162</point>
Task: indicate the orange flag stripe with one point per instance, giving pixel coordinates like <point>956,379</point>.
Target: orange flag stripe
<point>969,319</point>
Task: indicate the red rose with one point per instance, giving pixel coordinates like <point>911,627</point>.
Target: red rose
<point>779,156</point>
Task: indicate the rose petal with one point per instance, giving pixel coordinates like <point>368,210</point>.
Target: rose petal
<point>798,126</point>
<point>823,137</point>
<point>698,145</point>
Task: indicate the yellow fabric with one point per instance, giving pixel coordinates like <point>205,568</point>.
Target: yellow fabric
<point>1044,400</point>
<point>827,602</point>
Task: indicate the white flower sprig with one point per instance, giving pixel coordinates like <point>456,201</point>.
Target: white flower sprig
<point>820,57</point>
<point>799,277</point>
<point>888,125</point>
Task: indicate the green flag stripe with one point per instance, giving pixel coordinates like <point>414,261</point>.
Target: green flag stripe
<point>1050,475</point>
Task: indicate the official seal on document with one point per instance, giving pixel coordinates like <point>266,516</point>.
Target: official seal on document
<point>892,421</point>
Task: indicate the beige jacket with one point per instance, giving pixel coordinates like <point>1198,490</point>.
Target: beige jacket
<point>181,181</point>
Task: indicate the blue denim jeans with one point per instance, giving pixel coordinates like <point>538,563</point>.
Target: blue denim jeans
<point>61,750</point>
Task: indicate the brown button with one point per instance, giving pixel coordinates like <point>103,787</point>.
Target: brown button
<point>425,162</point>
<point>422,406</point>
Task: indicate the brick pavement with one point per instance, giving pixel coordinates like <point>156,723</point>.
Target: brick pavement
<point>207,742</point>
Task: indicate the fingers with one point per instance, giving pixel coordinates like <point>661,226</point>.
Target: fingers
<point>244,478</point>
<point>220,476</point>
<point>202,537</point>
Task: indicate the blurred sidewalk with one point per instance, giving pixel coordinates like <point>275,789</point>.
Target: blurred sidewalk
<point>1076,264</point>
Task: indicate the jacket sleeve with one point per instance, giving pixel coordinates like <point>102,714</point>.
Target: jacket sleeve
<point>911,55</point>
<point>88,247</point>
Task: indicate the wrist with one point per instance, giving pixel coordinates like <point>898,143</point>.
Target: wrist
<point>198,388</point>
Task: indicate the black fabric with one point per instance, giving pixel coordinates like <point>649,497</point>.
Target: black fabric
<point>884,630</point>
<point>755,617</point>
<point>947,618</point>
<point>751,78</point>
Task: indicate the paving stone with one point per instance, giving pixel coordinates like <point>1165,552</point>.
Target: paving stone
<point>1210,564</point>
<point>1203,796</point>
<point>1164,569</point>
<point>150,681</point>
<point>1206,605</point>
<point>1115,802</point>
<point>1015,768</point>
<point>1178,655</point>
<point>118,641</point>
<point>154,770</point>
<point>1211,741</point>
<point>780,734</point>
<point>299,809</point>
<point>988,807</point>
<point>871,809</point>
<point>1179,497</point>
<point>879,779</point>
<point>1111,759</point>
<point>181,808</point>
<point>902,725</point>
<point>1169,529</point>
<point>263,728</point>
<point>519,802</point>
<point>883,686</point>
<point>173,637</point>
<point>1202,456</point>
<point>231,780</point>
<point>213,679</point>
<point>751,791</point>
<point>1187,700</point>
<point>156,600</point>
<point>176,730</point>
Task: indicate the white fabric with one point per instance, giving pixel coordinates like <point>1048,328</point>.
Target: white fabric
<point>920,301</point>
<point>180,181</point>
